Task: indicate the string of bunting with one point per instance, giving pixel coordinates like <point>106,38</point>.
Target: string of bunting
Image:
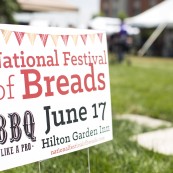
<point>44,37</point>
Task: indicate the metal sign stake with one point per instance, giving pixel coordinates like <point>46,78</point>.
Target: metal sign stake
<point>39,167</point>
<point>89,168</point>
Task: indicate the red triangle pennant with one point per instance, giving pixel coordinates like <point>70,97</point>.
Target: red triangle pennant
<point>65,39</point>
<point>100,35</point>
<point>19,36</point>
<point>84,38</point>
<point>44,38</point>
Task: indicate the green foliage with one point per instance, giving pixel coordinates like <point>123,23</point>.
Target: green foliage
<point>101,14</point>
<point>122,15</point>
<point>7,9</point>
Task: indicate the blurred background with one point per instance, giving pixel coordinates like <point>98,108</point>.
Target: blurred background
<point>101,14</point>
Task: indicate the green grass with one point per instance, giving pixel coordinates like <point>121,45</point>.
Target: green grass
<point>145,87</point>
<point>118,156</point>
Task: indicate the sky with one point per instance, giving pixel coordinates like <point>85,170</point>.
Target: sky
<point>87,8</point>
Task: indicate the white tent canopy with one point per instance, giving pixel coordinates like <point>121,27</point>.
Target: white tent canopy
<point>46,5</point>
<point>111,25</point>
<point>47,13</point>
<point>160,14</point>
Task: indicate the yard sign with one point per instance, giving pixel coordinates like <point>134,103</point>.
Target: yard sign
<point>54,92</point>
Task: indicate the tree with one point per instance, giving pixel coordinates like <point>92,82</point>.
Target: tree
<point>7,9</point>
<point>122,15</point>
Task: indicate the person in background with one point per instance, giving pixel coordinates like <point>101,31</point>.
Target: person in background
<point>122,42</point>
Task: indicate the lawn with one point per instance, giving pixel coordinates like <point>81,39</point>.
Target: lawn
<point>145,87</point>
<point>118,156</point>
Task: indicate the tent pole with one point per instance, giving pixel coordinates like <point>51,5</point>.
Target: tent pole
<point>151,39</point>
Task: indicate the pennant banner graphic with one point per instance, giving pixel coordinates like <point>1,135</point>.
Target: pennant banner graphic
<point>84,38</point>
<point>6,34</point>
<point>44,37</point>
<point>19,36</point>
<point>31,37</point>
<point>65,39</point>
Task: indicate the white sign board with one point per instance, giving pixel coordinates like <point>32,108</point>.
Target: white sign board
<point>54,93</point>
